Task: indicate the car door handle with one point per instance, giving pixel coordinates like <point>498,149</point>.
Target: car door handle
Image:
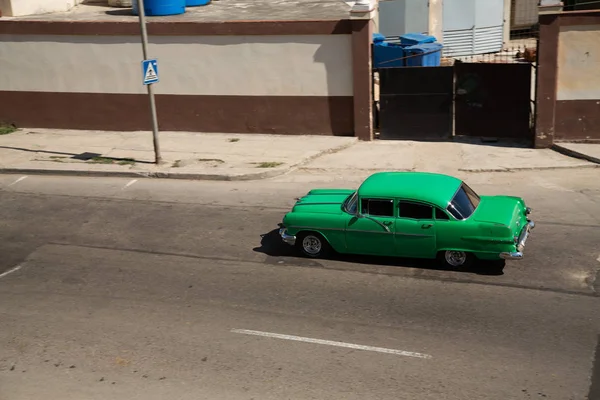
<point>426,226</point>
<point>387,223</point>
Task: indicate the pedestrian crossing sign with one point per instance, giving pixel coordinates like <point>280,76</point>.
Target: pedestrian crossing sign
<point>150,71</point>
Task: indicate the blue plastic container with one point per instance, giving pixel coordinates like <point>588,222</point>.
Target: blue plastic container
<point>424,55</point>
<point>388,55</point>
<point>378,38</point>
<point>159,7</point>
<point>195,3</point>
<point>411,39</point>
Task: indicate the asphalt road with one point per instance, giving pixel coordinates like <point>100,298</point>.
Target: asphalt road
<point>149,289</point>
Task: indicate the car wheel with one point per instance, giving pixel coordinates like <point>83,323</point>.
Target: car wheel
<point>456,259</point>
<point>313,245</point>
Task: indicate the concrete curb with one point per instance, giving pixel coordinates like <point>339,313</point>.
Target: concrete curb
<point>270,173</point>
<point>576,154</point>
<point>475,170</point>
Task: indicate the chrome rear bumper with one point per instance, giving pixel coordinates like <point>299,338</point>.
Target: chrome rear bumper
<point>289,239</point>
<point>518,255</point>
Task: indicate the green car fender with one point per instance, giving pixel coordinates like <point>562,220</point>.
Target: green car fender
<point>330,226</point>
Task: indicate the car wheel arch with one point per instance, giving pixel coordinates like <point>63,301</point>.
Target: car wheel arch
<point>307,231</point>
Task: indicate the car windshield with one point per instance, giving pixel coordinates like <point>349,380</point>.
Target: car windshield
<point>351,203</point>
<point>464,203</point>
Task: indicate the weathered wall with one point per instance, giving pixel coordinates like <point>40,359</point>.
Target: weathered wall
<point>568,92</point>
<point>578,63</point>
<point>278,77</point>
<point>15,8</point>
<point>310,65</point>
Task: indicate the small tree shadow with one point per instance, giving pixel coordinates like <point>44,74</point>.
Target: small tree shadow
<point>84,156</point>
<point>272,245</point>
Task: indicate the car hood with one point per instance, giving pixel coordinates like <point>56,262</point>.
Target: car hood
<point>505,210</point>
<point>322,201</point>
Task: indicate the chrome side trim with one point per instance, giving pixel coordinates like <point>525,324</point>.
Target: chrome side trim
<point>317,204</point>
<point>315,228</point>
<point>340,230</point>
<point>413,234</point>
<point>359,231</point>
<point>387,229</point>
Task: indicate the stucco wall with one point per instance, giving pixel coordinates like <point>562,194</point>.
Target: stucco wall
<point>17,8</point>
<point>310,65</point>
<point>578,63</point>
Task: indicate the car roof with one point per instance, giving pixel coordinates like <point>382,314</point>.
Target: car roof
<point>433,188</point>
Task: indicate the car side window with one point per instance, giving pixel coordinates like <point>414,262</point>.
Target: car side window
<point>415,210</point>
<point>378,207</point>
<point>439,214</point>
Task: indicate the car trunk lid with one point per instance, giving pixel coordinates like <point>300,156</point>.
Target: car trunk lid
<point>504,210</point>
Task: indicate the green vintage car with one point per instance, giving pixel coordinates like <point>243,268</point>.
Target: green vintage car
<point>409,214</point>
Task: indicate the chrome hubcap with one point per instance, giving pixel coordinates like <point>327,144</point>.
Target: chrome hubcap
<point>456,258</point>
<point>311,244</point>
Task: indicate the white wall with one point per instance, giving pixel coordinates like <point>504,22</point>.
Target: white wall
<point>315,65</point>
<point>578,63</point>
<point>16,8</point>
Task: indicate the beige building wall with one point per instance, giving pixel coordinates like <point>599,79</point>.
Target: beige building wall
<point>16,8</point>
<point>578,63</point>
<point>312,65</point>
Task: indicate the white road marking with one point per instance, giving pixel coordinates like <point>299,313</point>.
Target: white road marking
<point>331,343</point>
<point>10,271</point>
<point>18,180</point>
<point>131,182</point>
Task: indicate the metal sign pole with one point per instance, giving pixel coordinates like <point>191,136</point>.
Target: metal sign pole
<point>142,15</point>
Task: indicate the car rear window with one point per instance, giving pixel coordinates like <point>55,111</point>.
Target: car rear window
<point>464,203</point>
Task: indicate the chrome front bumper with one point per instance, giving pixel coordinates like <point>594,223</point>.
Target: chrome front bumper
<point>289,239</point>
<point>518,255</point>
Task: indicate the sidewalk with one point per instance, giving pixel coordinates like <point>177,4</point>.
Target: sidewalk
<point>185,155</point>
<point>446,157</point>
<point>220,156</point>
<point>584,151</point>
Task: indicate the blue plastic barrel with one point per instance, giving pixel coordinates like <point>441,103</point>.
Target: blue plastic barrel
<point>424,55</point>
<point>378,38</point>
<point>194,3</point>
<point>159,7</point>
<point>388,55</point>
<point>411,39</point>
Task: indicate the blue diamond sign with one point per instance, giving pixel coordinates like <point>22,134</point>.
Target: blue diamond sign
<point>150,71</point>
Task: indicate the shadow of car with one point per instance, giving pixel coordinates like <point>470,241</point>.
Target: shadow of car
<point>272,245</point>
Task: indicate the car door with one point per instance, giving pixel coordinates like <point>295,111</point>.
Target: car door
<point>373,231</point>
<point>415,230</point>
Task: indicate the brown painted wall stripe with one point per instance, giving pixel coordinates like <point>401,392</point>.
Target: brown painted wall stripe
<point>571,18</point>
<point>176,28</point>
<point>546,80</point>
<point>363,89</point>
<point>293,115</point>
<point>577,120</point>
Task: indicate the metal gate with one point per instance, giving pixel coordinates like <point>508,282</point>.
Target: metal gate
<point>416,102</point>
<point>493,100</point>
